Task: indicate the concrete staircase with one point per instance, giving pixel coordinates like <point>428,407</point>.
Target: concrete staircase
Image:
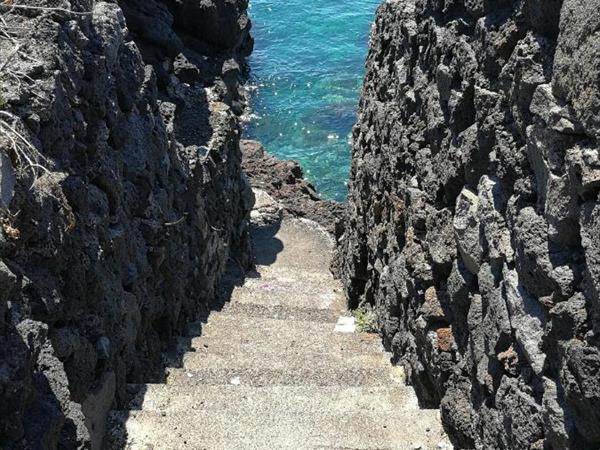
<point>269,370</point>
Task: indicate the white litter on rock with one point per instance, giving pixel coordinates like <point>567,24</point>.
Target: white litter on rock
<point>235,381</point>
<point>345,324</point>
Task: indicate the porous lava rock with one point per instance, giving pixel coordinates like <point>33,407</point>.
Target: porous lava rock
<point>122,199</point>
<point>284,181</point>
<point>476,177</point>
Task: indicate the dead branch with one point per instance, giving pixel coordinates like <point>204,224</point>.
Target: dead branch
<point>46,9</point>
<point>26,154</point>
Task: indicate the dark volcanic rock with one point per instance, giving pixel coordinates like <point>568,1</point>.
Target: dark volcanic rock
<point>474,217</point>
<point>223,23</point>
<point>122,199</point>
<point>284,181</point>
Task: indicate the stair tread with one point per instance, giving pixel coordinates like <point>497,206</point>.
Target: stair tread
<point>279,311</point>
<point>291,399</point>
<point>197,429</point>
<point>244,336</point>
<point>295,244</point>
<point>292,288</point>
<point>217,356</point>
<point>325,376</point>
<point>391,397</point>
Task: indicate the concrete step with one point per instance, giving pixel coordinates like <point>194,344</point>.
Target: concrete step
<point>277,429</point>
<point>218,355</point>
<point>280,312</point>
<point>241,341</point>
<point>291,399</point>
<point>306,376</point>
<point>285,286</point>
<point>294,243</point>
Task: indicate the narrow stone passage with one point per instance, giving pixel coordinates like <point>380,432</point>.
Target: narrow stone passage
<point>269,371</point>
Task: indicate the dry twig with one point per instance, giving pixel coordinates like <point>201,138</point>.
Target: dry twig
<point>26,154</point>
<point>177,222</point>
<point>13,6</point>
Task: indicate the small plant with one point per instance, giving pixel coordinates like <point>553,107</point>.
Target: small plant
<point>366,319</point>
<point>9,228</point>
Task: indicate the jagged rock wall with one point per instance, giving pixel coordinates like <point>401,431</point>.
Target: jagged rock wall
<point>122,198</point>
<point>474,216</point>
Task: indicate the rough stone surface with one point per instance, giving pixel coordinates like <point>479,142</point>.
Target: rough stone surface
<point>123,236</point>
<point>284,181</point>
<point>476,177</point>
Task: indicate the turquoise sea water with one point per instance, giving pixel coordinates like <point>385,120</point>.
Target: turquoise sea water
<point>306,70</point>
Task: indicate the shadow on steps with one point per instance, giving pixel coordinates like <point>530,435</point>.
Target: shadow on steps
<point>266,247</point>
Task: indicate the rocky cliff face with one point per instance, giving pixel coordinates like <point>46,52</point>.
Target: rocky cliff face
<point>122,198</point>
<point>474,216</point>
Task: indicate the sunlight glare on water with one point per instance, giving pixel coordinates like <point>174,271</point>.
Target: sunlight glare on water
<point>306,71</point>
